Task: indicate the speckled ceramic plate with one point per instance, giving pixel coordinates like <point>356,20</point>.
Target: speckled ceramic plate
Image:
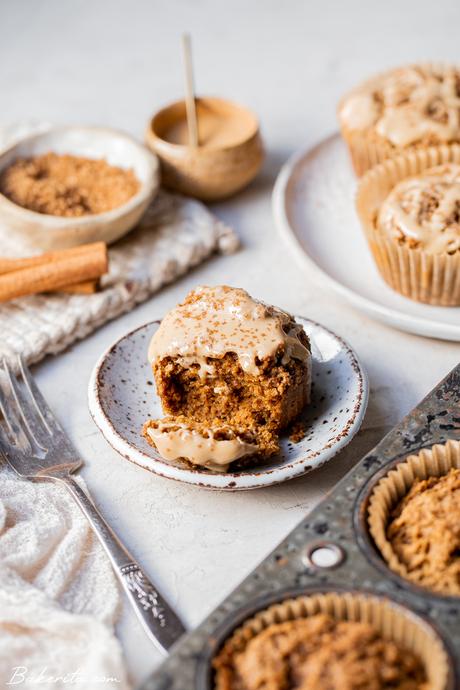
<point>122,396</point>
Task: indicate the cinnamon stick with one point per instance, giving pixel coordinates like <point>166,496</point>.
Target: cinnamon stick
<point>8,265</point>
<point>88,287</point>
<point>60,270</point>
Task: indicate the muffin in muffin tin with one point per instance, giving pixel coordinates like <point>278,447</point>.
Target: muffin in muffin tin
<point>414,518</point>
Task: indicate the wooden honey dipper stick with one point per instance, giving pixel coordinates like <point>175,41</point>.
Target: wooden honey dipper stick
<point>71,270</point>
<point>190,102</point>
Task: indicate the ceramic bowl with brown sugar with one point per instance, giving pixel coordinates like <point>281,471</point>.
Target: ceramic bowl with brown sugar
<point>46,231</point>
<point>229,152</point>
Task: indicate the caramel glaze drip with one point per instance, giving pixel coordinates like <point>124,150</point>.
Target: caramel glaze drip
<point>175,440</point>
<point>407,105</point>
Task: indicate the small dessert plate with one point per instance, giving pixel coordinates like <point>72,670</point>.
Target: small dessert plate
<point>122,396</point>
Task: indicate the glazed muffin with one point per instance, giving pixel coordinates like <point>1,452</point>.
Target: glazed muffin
<point>404,109</point>
<point>423,212</point>
<point>410,212</point>
<point>316,642</point>
<point>222,360</point>
<point>414,518</point>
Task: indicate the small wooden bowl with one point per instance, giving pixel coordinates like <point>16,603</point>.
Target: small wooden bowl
<point>229,155</point>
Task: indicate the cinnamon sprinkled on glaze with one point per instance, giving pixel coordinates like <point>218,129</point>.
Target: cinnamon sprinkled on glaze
<point>213,321</point>
<point>424,211</point>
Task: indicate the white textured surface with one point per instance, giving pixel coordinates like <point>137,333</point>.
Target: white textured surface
<point>113,62</point>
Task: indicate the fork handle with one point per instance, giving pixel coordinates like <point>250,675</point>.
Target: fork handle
<point>162,625</point>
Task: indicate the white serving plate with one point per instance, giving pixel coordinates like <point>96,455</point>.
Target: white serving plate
<point>122,396</point>
<point>48,232</point>
<point>313,202</point>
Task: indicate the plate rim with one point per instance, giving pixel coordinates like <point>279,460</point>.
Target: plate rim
<point>223,481</point>
<point>393,317</point>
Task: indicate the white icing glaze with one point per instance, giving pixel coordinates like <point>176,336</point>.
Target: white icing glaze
<point>175,440</point>
<point>213,321</point>
<point>436,228</point>
<point>406,105</point>
<point>360,111</point>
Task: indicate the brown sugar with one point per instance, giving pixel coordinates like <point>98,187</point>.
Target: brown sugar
<point>65,185</point>
<point>424,532</point>
<point>317,652</point>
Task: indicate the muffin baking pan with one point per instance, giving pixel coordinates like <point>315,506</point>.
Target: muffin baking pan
<point>331,551</point>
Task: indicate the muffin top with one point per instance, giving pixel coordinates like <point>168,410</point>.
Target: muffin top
<point>213,321</point>
<point>406,106</point>
<point>424,531</point>
<point>318,652</point>
<point>423,212</point>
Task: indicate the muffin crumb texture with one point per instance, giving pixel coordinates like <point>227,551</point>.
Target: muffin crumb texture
<point>315,653</point>
<point>222,360</point>
<point>424,532</point>
<point>66,185</point>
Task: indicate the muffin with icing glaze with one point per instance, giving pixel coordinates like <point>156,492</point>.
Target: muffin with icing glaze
<point>404,109</point>
<point>231,373</point>
<point>410,210</point>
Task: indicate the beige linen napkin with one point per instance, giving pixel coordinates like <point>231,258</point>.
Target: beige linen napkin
<point>58,594</point>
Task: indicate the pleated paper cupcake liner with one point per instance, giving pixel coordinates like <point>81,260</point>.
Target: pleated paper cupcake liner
<point>391,489</point>
<point>366,149</point>
<point>393,622</point>
<point>429,278</point>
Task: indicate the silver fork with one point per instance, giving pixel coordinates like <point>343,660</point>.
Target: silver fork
<point>37,448</point>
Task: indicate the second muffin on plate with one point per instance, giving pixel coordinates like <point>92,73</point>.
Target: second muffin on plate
<point>409,208</point>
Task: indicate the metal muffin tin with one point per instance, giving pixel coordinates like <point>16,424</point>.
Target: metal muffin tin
<point>354,563</point>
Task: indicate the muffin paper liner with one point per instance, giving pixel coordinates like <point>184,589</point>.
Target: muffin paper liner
<point>433,462</point>
<point>390,620</point>
<point>429,278</point>
<point>368,149</point>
